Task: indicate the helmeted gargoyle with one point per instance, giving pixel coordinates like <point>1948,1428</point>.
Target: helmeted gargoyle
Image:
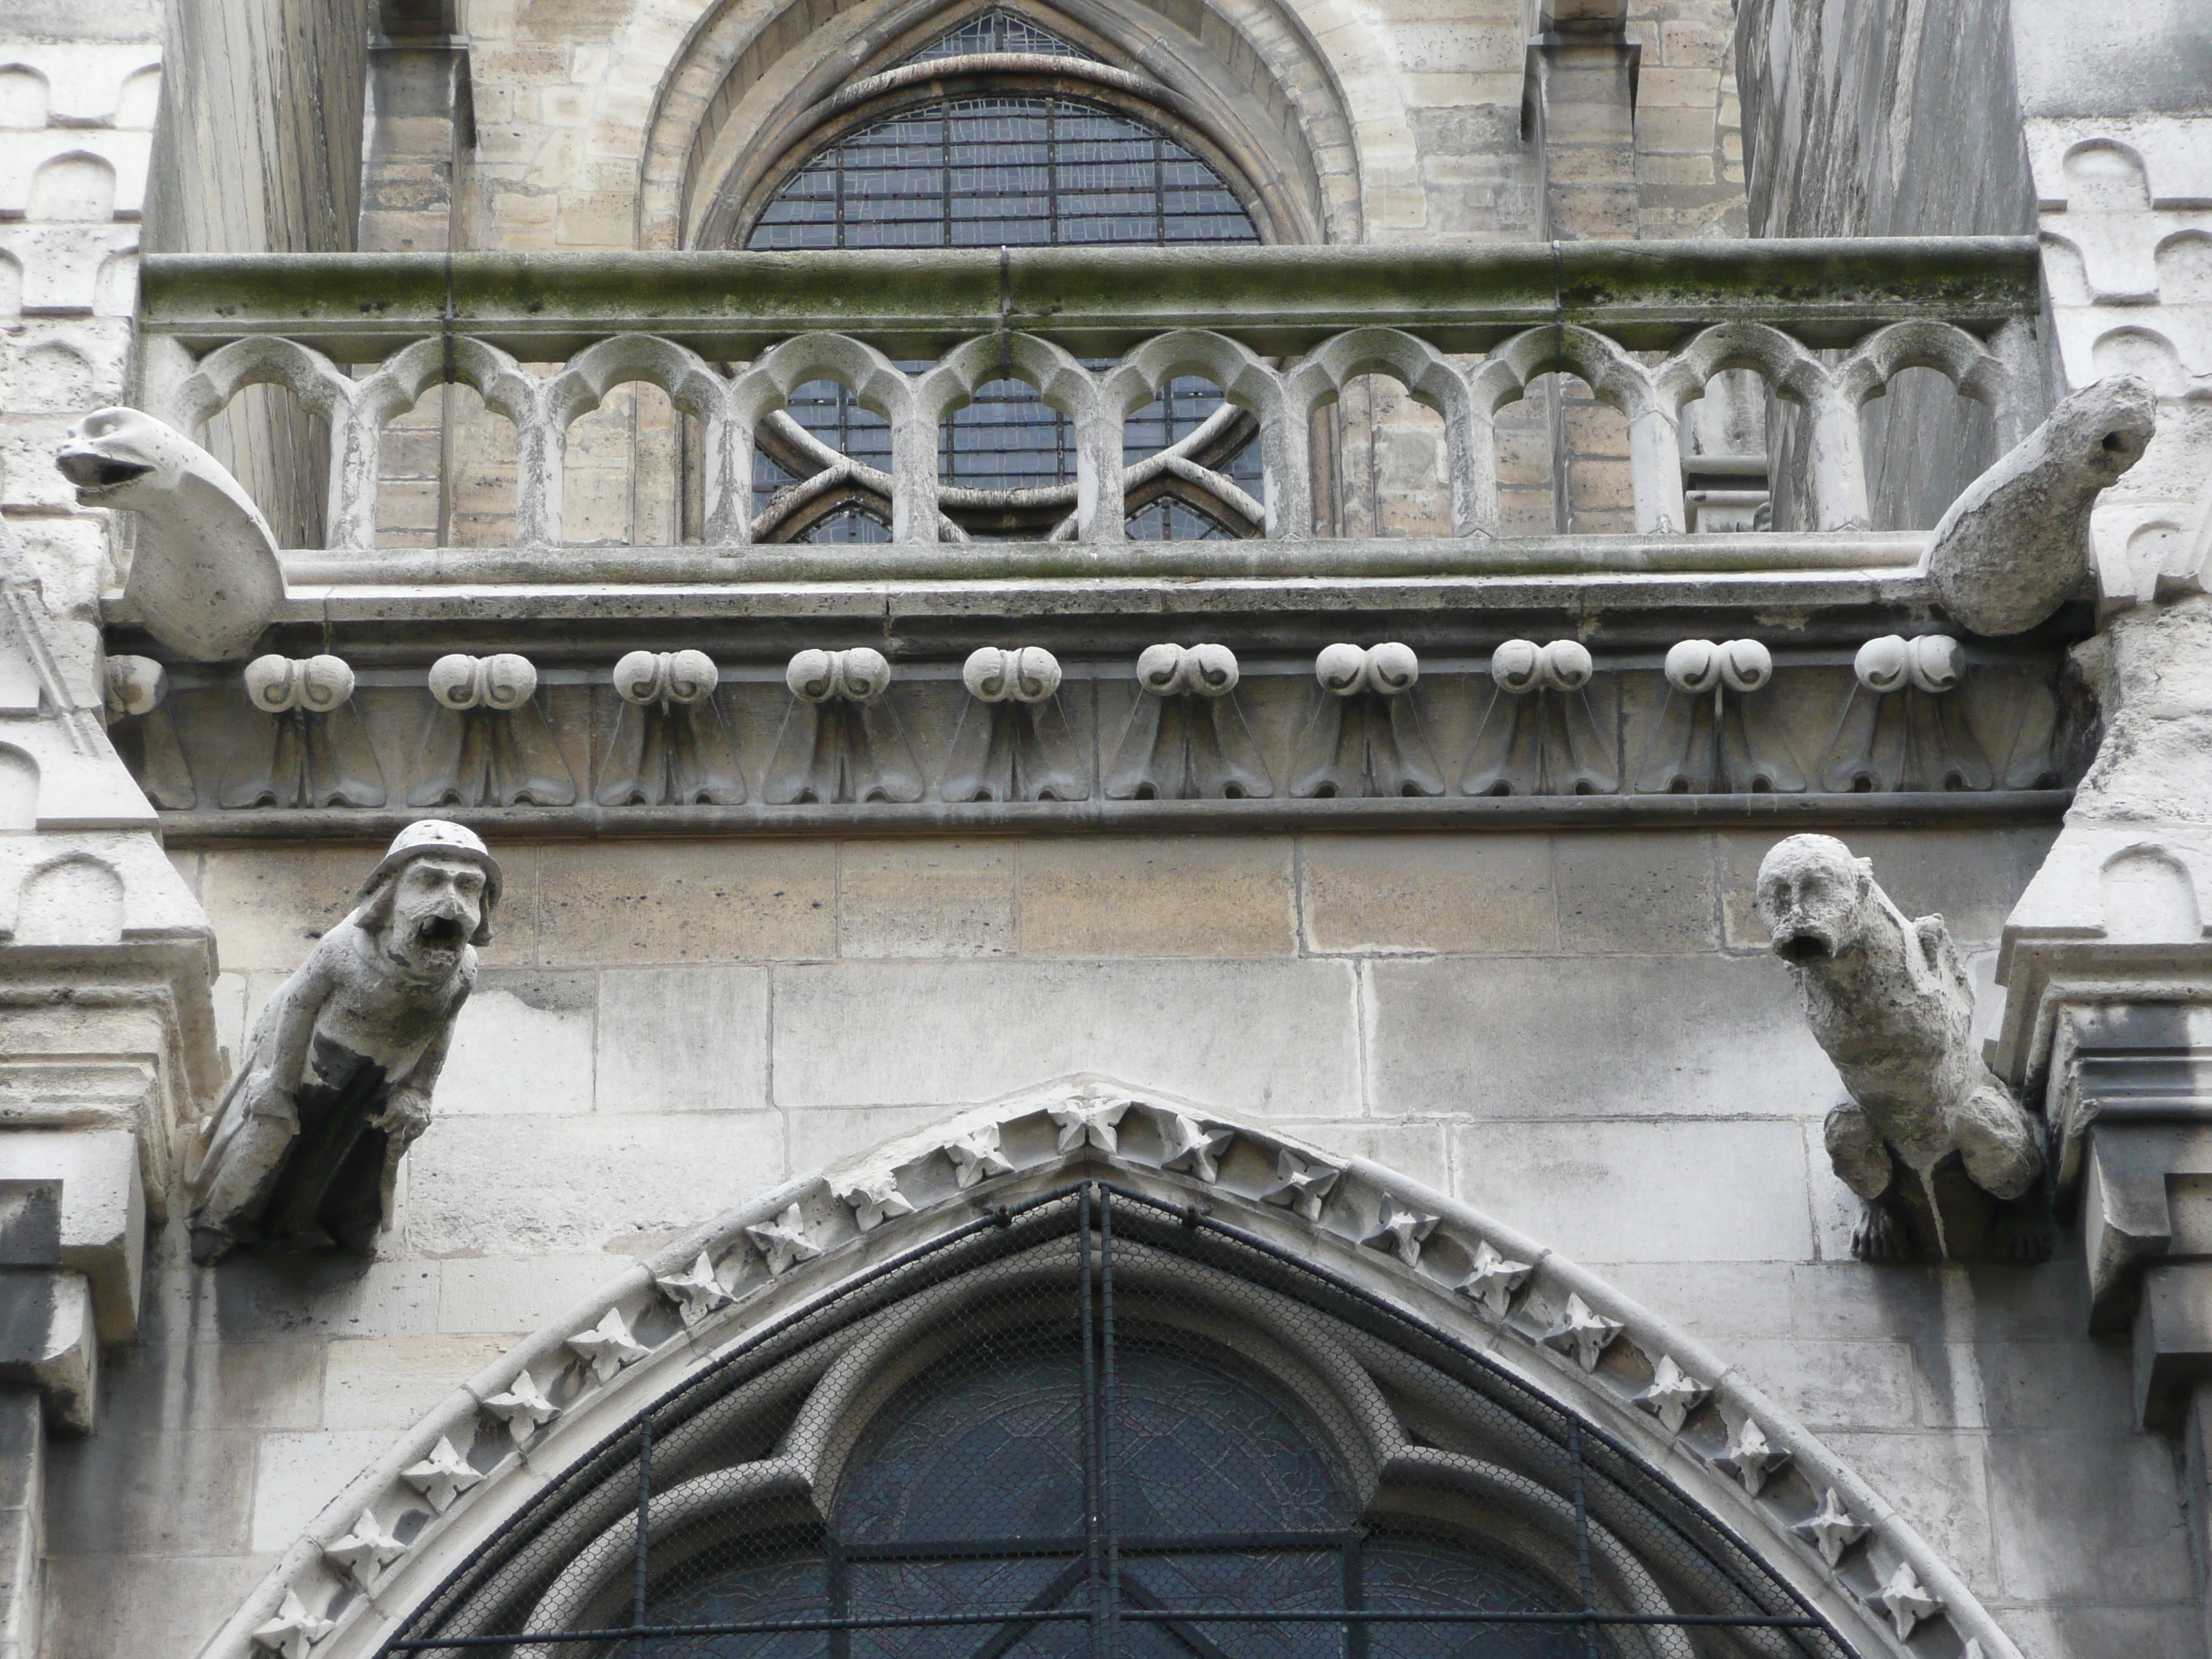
<point>305,1143</point>
<point>1947,1163</point>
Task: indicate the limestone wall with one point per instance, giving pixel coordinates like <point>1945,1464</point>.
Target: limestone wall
<point>1581,1033</point>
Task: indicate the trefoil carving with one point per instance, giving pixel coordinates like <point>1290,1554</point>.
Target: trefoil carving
<point>1540,734</point>
<point>1013,741</point>
<point>1363,731</point>
<point>1717,734</point>
<point>313,749</point>
<point>1187,738</point>
<point>841,741</point>
<point>669,746</point>
<point>487,743</point>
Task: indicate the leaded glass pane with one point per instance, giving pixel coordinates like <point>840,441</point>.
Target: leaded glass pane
<point>997,31</point>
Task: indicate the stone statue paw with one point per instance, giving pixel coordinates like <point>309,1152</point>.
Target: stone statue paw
<point>1879,1236</point>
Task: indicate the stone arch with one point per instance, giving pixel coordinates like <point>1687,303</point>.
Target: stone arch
<point>77,901</point>
<point>562,1403</point>
<point>2149,897</point>
<point>751,78</point>
<point>76,187</point>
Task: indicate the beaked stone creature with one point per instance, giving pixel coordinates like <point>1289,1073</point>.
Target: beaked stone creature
<point>305,1143</point>
<point>1890,1001</point>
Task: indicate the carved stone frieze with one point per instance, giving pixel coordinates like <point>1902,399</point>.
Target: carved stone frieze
<point>1541,733</point>
<point>442,1476</point>
<point>363,1553</point>
<point>782,1242</point>
<point>607,1346</point>
<point>1583,1332</point>
<point>978,1154</point>
<point>1187,738</point>
<point>1399,1229</point>
<point>1906,1600</point>
<point>138,723</point>
<point>1902,729</point>
<point>874,1198</point>
<point>486,742</point>
<point>523,1407</point>
<point>1013,741</point>
<point>668,746</point>
<point>841,741</point>
<point>1939,1149</point>
<point>698,1291</point>
<point>1750,1457</point>
<point>304,1145</point>
<point>1302,1184</point>
<point>1831,1529</point>
<point>1495,1280</point>
<point>1187,1143</point>
<point>1674,1395</point>
<point>1718,732</point>
<point>292,1630</point>
<point>1363,733</point>
<point>312,750</point>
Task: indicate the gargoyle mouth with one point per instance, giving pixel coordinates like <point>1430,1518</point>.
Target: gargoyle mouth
<point>439,933</point>
<point>1802,948</point>
<point>95,474</point>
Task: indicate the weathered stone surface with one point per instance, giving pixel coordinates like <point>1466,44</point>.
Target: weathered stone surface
<point>682,1039</point>
<point>2121,1542</point>
<point>1140,897</point>
<point>1677,1191</point>
<point>1496,1039</point>
<point>151,1494</point>
<point>627,903</point>
<point>296,1474</point>
<point>390,1382</point>
<point>1449,894</point>
<point>219,1385</point>
<point>1643,894</point>
<point>941,1032</point>
<point>524,1042</point>
<point>143,1605</point>
<point>925,899</point>
<point>512,1295</point>
<point>1826,1385</point>
<point>1938,1483</point>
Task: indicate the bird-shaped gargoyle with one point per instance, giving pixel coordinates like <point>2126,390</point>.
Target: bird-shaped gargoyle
<point>1946,1162</point>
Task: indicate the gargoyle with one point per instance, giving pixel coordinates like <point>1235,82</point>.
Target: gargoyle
<point>2015,543</point>
<point>1947,1163</point>
<point>203,574</point>
<point>306,1142</point>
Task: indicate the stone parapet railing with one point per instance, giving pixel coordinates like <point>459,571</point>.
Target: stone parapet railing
<point>730,336</point>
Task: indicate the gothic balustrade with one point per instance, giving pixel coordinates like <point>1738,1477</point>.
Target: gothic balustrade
<point>1282,331</point>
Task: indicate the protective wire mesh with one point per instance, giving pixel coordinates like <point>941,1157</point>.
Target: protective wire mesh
<point>1093,1425</point>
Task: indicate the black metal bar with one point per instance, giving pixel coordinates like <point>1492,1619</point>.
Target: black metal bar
<point>1198,1645</point>
<point>1582,1534</point>
<point>1106,1402</point>
<point>1354,1565</point>
<point>1093,1584</point>
<point>840,1627</point>
<point>1220,1543</point>
<point>644,1518</point>
<point>1015,1629</point>
<point>925,1621</point>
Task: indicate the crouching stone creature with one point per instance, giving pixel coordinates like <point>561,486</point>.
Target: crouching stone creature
<point>305,1144</point>
<point>1946,1162</point>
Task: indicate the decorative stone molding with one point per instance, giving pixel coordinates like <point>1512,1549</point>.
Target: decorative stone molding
<point>874,1198</point>
<point>1013,742</point>
<point>1090,1120</point>
<point>523,1407</point>
<point>698,1291</point>
<point>1187,738</point>
<point>978,1156</point>
<point>442,1476</point>
<point>363,1553</point>
<point>1187,1143</point>
<point>314,750</point>
<point>1400,1231</point>
<point>294,1631</point>
<point>1717,732</point>
<point>138,689</point>
<point>1582,1333</point>
<point>1831,1528</point>
<point>1362,735</point>
<point>668,746</point>
<point>841,740</point>
<point>1494,1281</point>
<point>1904,730</point>
<point>1791,1473</point>
<point>1906,1600</point>
<point>1940,1150</point>
<point>487,743</point>
<point>1674,1395</point>
<point>607,1346</point>
<point>1300,1184</point>
<point>782,1242</point>
<point>1540,734</point>
<point>1752,1460</point>
<point>389,980</point>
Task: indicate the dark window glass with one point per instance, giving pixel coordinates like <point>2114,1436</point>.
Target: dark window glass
<point>1011,171</point>
<point>999,30</point>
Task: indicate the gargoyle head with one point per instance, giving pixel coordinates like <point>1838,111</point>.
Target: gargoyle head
<point>431,897</point>
<point>113,456</point>
<point>1813,896</point>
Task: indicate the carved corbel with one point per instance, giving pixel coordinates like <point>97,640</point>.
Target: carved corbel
<point>841,740</point>
<point>1902,726</point>
<point>1013,741</point>
<point>1540,736</point>
<point>1187,738</point>
<point>1362,733</point>
<point>138,715</point>
<point>1716,733</point>
<point>669,747</point>
<point>314,750</point>
<point>487,744</point>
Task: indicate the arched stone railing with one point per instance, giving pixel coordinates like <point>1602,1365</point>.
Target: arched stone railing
<point>448,1488</point>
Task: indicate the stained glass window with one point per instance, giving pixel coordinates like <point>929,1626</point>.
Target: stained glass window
<point>1018,169</point>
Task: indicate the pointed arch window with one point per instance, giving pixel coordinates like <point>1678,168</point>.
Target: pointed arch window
<point>1098,1422</point>
<point>1026,167</point>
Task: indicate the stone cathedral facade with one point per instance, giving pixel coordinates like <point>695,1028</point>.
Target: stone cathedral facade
<point>688,967</point>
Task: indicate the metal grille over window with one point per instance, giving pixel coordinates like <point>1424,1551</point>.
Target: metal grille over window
<point>1005,171</point>
<point>1093,1424</point>
<point>997,31</point>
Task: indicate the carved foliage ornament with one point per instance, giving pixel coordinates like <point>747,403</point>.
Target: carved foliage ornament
<point>312,750</point>
<point>669,746</point>
<point>841,740</point>
<point>1541,734</point>
<point>1717,734</point>
<point>1901,728</point>
<point>486,742</point>
<point>1363,733</point>
<point>1187,738</point>
<point>1013,741</point>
